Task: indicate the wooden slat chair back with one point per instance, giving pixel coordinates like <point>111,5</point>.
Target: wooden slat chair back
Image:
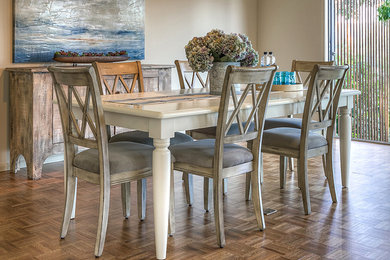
<point>306,67</point>
<point>79,85</point>
<point>322,100</point>
<point>119,77</point>
<point>251,77</point>
<point>116,78</point>
<point>188,78</point>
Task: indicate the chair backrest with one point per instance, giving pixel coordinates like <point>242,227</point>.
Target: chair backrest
<point>299,66</point>
<point>76,86</point>
<point>119,77</point>
<point>187,77</point>
<point>257,100</point>
<point>322,98</point>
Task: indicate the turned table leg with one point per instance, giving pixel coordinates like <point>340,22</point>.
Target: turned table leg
<point>161,189</point>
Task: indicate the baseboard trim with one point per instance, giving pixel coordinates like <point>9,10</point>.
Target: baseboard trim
<point>5,166</point>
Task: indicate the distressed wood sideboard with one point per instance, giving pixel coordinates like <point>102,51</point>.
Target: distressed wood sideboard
<point>35,126</point>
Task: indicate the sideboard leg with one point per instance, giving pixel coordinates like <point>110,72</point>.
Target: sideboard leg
<point>13,162</point>
<point>34,167</point>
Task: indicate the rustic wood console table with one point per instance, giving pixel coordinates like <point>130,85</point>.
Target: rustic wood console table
<point>35,122</point>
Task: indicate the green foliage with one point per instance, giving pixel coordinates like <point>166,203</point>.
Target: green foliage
<point>384,11</point>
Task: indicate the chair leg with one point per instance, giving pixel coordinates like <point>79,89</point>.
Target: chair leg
<point>141,198</point>
<point>330,175</point>
<point>248,190</point>
<point>283,170</point>
<point>207,193</point>
<point>171,222</point>
<point>189,187</point>
<point>125,192</point>
<point>218,212</point>
<point>291,164</point>
<point>261,168</point>
<point>257,200</point>
<point>324,164</point>
<point>248,176</point>
<point>103,218</point>
<point>70,191</point>
<point>304,184</point>
<point>248,186</point>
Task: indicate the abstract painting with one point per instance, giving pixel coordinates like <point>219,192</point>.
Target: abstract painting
<point>42,27</point>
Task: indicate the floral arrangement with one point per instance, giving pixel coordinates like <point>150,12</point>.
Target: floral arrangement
<point>76,54</point>
<point>218,46</point>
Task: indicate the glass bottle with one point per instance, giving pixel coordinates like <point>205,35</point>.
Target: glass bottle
<point>271,59</point>
<point>264,60</point>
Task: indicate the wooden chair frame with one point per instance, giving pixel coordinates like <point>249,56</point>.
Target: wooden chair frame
<point>184,69</point>
<point>73,80</point>
<point>322,98</point>
<point>120,71</point>
<point>251,77</point>
<point>299,66</point>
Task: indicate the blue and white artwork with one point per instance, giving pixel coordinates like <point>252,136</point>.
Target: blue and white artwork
<point>42,27</point>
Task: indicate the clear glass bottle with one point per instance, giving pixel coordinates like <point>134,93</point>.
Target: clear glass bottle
<point>264,60</point>
<point>271,59</point>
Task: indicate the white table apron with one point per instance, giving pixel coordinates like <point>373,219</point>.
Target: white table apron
<point>162,121</point>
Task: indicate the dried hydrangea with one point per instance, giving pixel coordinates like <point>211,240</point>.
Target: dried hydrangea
<point>217,46</point>
<point>200,58</point>
<point>251,59</point>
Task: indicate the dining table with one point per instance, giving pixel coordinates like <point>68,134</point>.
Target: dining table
<point>164,113</point>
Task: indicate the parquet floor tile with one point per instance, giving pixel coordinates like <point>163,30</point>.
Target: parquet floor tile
<point>357,227</point>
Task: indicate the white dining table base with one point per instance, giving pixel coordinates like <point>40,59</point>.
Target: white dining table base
<point>161,186</point>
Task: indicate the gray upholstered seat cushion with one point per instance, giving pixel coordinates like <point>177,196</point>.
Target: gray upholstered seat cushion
<point>201,153</point>
<point>288,137</point>
<point>123,156</point>
<point>282,122</point>
<point>143,138</point>
<point>232,131</point>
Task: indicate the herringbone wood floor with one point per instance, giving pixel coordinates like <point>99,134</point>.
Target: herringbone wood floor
<point>358,227</point>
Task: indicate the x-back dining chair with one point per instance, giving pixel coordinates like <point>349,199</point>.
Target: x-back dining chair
<point>299,67</point>
<point>320,111</point>
<point>127,77</point>
<point>221,157</point>
<point>189,79</point>
<point>103,163</point>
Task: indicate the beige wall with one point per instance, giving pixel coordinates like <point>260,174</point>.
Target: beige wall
<point>169,25</point>
<point>292,29</point>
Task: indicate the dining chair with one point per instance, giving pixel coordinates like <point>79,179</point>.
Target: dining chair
<point>102,163</point>
<point>189,79</point>
<point>221,157</point>
<point>299,67</point>
<point>320,112</point>
<point>126,77</point>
